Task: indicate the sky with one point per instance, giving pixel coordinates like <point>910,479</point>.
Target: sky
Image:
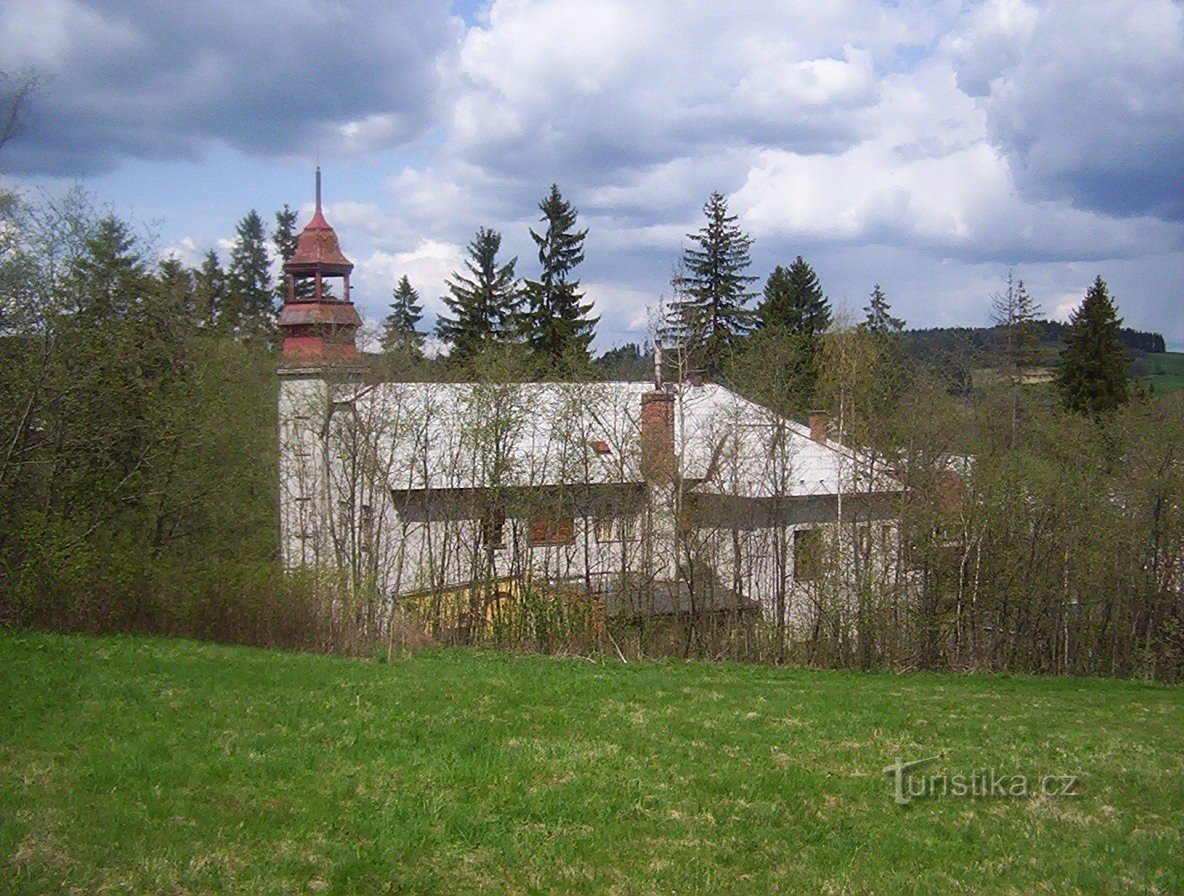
<point>928,147</point>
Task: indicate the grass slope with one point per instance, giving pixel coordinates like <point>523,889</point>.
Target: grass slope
<point>136,765</point>
<point>1164,371</point>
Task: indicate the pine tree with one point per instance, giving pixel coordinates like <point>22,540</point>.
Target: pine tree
<point>399,335</point>
<point>1093,374</point>
<point>249,309</point>
<point>556,324</point>
<point>793,301</point>
<point>484,305</point>
<point>284,239</point>
<point>709,316</point>
<point>879,315</point>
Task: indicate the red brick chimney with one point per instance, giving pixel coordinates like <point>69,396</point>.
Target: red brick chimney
<point>657,437</point>
<point>819,423</point>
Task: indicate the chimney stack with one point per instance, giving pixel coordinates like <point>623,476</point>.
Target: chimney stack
<point>657,437</point>
<point>819,423</point>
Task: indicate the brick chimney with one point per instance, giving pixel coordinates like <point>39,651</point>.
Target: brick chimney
<point>819,423</point>
<point>657,437</point>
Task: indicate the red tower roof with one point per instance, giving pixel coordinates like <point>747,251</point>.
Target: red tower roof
<point>317,248</point>
<point>317,327</point>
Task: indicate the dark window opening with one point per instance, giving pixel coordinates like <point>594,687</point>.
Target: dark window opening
<point>807,555</point>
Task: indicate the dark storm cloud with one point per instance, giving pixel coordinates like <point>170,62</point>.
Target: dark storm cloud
<point>1086,100</point>
<point>159,80</point>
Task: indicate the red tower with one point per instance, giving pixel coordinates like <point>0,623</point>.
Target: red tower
<point>320,327</point>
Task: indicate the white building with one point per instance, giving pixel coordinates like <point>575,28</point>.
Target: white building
<point>655,498</point>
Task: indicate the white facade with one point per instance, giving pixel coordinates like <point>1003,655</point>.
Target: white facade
<point>407,488</point>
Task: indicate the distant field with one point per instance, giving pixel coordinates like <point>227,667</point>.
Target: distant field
<point>150,766</point>
<point>1165,371</point>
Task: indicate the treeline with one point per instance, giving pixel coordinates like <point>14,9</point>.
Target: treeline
<point>934,342</point>
<point>137,425</point>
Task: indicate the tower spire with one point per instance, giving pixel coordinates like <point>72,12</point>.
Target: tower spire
<point>317,326</point>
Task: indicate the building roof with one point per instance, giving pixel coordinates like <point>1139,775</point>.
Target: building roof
<point>473,435</point>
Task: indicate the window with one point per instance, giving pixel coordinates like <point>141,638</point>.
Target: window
<point>807,554</point>
<point>616,528</point>
<point>551,531</point>
<point>493,530</point>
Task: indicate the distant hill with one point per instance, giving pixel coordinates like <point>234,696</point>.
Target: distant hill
<point>969,355</point>
<point>984,342</point>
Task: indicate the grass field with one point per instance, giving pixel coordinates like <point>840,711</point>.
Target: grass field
<point>151,766</point>
<point>1164,371</point>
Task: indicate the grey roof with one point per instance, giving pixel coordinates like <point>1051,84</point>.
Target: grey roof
<point>474,435</point>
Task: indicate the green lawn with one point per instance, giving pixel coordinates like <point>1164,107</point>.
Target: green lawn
<point>153,766</point>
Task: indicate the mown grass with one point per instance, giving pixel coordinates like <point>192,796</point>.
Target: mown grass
<point>152,766</point>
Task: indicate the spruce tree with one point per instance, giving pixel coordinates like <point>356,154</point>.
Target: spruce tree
<point>879,315</point>
<point>793,301</point>
<point>109,277</point>
<point>399,335</point>
<point>483,305</point>
<point>209,288</point>
<point>556,324</point>
<point>1093,374</point>
<point>249,309</point>
<point>709,316</point>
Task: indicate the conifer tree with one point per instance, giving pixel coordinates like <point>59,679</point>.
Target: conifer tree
<point>399,335</point>
<point>109,276</point>
<point>1093,374</point>
<point>709,316</point>
<point>793,301</point>
<point>209,287</point>
<point>483,305</point>
<point>175,285</point>
<point>249,309</point>
<point>1015,314</point>
<point>284,239</point>
<point>879,315</point>
<point>556,324</point>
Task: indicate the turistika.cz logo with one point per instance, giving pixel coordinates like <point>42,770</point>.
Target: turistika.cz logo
<point>909,785</point>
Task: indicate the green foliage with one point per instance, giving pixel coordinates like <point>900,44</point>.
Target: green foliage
<point>285,238</point>
<point>879,317</point>
<point>627,362</point>
<point>556,324</point>
<point>166,766</point>
<point>249,309</point>
<point>1092,377</point>
<point>134,450</point>
<point>793,301</point>
<point>399,335</point>
<point>209,290</point>
<point>1017,316</point>
<point>777,370</point>
<point>709,317</point>
<point>483,305</point>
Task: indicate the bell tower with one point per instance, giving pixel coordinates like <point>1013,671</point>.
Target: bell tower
<point>317,328</point>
